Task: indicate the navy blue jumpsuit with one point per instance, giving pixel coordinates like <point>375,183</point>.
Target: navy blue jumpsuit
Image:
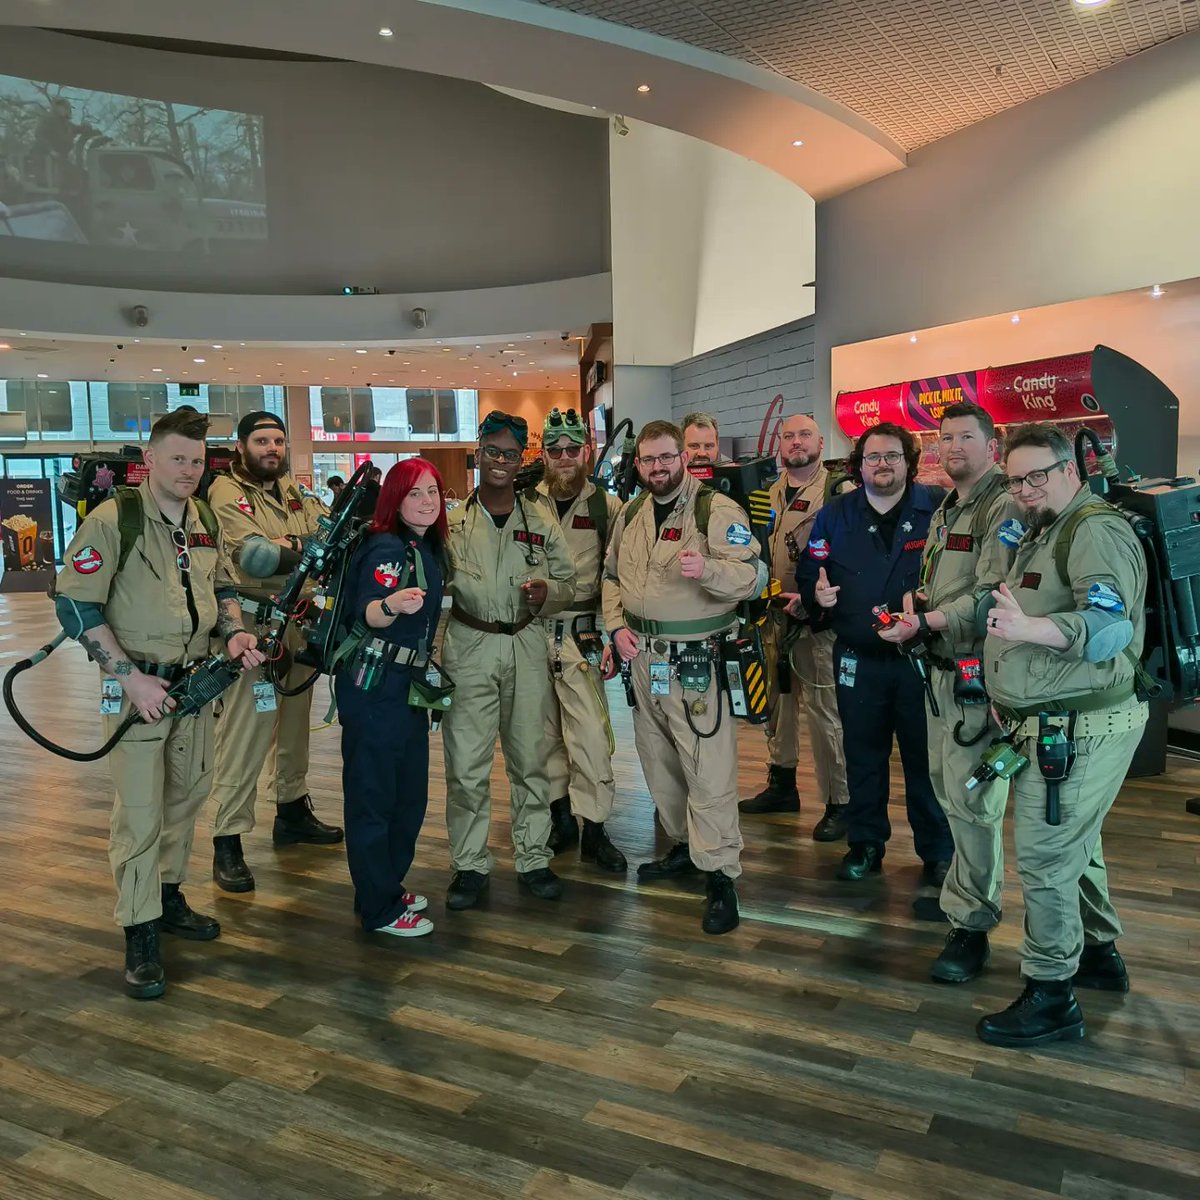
<point>879,694</point>
<point>385,742</point>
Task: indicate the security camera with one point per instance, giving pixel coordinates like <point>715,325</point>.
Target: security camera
<point>391,352</point>
<point>566,337</point>
<point>184,349</point>
<point>120,345</point>
<point>141,315</point>
<point>420,318</point>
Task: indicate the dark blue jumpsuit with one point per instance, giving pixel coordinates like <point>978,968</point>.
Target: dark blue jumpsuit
<point>879,694</point>
<point>385,743</point>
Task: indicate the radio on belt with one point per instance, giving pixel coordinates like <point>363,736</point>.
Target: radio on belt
<point>745,677</point>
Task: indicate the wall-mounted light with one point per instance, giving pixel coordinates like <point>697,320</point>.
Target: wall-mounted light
<point>1157,291</point>
<point>912,337</point>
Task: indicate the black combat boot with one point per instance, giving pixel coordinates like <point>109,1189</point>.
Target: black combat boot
<point>145,978</point>
<point>1046,1011</point>
<point>465,889</point>
<point>933,874</point>
<point>721,911</point>
<point>779,796</point>
<point>596,847</point>
<point>1102,968</point>
<point>675,863</point>
<point>295,822</point>
<point>832,826</point>
<point>965,954</point>
<point>229,867</point>
<point>863,859</point>
<point>564,828</point>
<point>182,920</point>
<point>542,883</point>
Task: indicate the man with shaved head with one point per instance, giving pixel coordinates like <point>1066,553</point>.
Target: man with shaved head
<point>804,655</point>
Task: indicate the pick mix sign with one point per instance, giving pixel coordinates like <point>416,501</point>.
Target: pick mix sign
<point>1055,389</point>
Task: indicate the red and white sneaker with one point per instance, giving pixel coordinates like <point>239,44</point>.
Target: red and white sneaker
<point>415,903</point>
<point>409,924</point>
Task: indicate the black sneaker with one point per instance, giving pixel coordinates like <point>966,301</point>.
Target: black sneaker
<point>596,847</point>
<point>465,889</point>
<point>965,954</point>
<point>229,867</point>
<point>179,918</point>
<point>564,828</point>
<point>1102,969</point>
<point>832,826</point>
<point>1046,1011</point>
<point>721,911</point>
<point>542,883</point>
<point>677,862</point>
<point>779,796</point>
<point>295,822</point>
<point>145,978</point>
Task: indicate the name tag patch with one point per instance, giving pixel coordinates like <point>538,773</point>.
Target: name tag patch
<point>960,541</point>
<point>582,522</point>
<point>295,505</point>
<point>201,539</point>
<point>531,539</point>
<point>800,505</point>
<point>915,544</point>
<point>670,534</point>
<point>1032,580</point>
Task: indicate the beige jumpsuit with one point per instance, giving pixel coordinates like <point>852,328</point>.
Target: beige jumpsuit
<point>247,739</point>
<point>693,780</point>
<point>502,685</point>
<point>579,763</point>
<point>162,771</point>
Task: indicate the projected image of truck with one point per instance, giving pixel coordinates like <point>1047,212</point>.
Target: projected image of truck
<point>103,169</point>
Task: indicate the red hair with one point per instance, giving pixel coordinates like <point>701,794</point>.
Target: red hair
<point>401,479</point>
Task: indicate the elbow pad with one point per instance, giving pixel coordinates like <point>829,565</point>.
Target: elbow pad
<point>77,616</point>
<point>259,557</point>
<point>1107,635</point>
<point>762,579</point>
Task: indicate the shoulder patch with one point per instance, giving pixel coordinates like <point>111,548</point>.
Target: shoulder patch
<point>1105,598</point>
<point>738,534</point>
<point>87,560</point>
<point>819,549</point>
<point>387,574</point>
<point>1010,532</point>
<point>245,505</point>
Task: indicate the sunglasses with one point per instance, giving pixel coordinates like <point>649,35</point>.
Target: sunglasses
<point>183,557</point>
<point>569,451</point>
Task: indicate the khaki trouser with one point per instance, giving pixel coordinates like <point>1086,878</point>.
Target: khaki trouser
<point>502,690</point>
<point>579,762</point>
<point>1062,866</point>
<point>971,894</point>
<point>248,740</point>
<point>162,774</point>
<point>811,661</point>
<point>692,780</point>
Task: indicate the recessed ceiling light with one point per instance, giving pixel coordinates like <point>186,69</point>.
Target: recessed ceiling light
<point>41,376</point>
<point>216,347</point>
<point>514,374</point>
<point>197,360</point>
<point>643,88</point>
<point>478,347</point>
<point>912,337</point>
<point>1090,3</point>
<point>385,31</point>
<point>1015,318</point>
<point>157,370</point>
<point>279,364</point>
<point>797,142</point>
<point>360,352</point>
<point>528,336</point>
<point>241,343</point>
<point>5,346</point>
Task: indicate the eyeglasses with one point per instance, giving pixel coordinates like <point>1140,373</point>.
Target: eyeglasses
<point>569,451</point>
<point>1035,479</point>
<point>892,457</point>
<point>183,558</point>
<point>649,461</point>
<point>498,455</point>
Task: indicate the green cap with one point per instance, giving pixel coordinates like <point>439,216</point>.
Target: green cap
<point>568,424</point>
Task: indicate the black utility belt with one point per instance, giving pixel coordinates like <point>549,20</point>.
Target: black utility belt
<point>171,672</point>
<point>580,622</point>
<point>391,654</point>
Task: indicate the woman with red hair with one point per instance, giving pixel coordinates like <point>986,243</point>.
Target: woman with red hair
<point>395,594</point>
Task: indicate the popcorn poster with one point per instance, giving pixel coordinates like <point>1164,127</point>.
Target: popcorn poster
<point>27,530</point>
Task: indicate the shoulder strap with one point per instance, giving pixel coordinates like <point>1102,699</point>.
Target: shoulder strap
<point>983,508</point>
<point>832,483</point>
<point>704,499</point>
<point>130,520</point>
<point>598,512</point>
<point>634,506</point>
<point>208,518</point>
<point>1094,507</point>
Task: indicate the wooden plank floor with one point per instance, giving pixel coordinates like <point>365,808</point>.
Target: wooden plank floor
<point>597,1048</point>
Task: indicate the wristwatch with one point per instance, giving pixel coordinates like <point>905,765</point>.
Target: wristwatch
<point>387,612</point>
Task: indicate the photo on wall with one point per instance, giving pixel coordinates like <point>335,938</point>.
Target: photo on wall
<point>104,169</point>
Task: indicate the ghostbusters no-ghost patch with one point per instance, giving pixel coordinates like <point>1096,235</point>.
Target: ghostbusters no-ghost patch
<point>1010,532</point>
<point>87,561</point>
<point>387,574</point>
<point>245,506</point>
<point>737,535</point>
<point>818,549</point>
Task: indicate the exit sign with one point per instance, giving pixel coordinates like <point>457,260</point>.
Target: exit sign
<point>189,389</point>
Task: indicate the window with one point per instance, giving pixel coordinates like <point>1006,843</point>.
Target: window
<point>234,400</point>
<point>130,405</point>
<point>347,410</point>
<point>45,403</point>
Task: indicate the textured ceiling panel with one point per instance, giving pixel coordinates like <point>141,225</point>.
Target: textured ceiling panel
<point>916,69</point>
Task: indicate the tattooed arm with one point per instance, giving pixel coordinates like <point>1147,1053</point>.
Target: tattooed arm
<point>147,693</point>
<point>229,618</point>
